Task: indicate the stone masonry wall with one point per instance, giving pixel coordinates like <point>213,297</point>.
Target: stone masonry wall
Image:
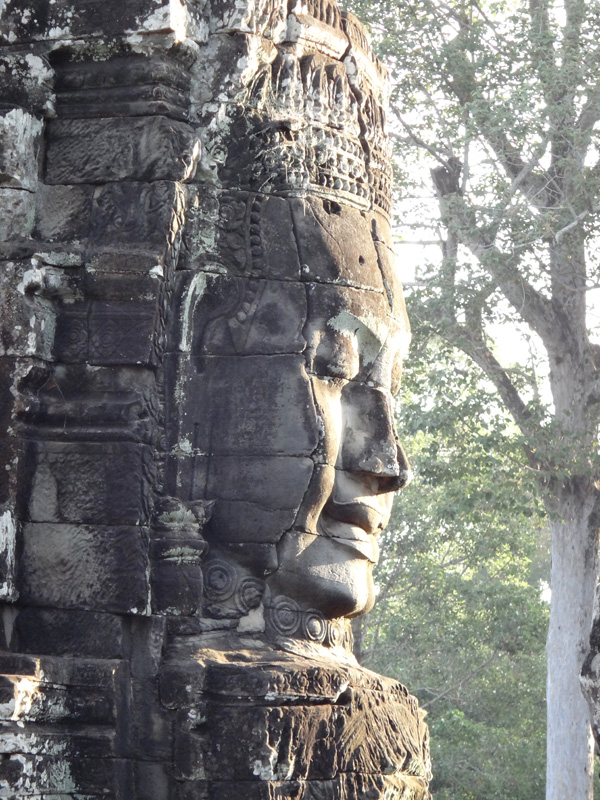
<point>148,148</point>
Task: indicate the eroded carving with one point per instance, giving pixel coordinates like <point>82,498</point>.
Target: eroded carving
<point>203,333</point>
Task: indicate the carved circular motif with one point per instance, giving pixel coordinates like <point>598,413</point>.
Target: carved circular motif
<point>219,580</point>
<point>334,634</point>
<point>348,639</point>
<point>285,615</point>
<point>249,594</point>
<point>314,626</point>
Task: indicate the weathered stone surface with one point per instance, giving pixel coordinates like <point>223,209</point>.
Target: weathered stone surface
<point>48,742</point>
<point>28,317</point>
<point>306,722</point>
<point>78,483</point>
<point>26,775</point>
<point>258,405</point>
<point>18,213</point>
<point>267,317</point>
<point>69,633</point>
<point>201,332</point>
<point>121,333</point>
<point>61,21</point>
<point>176,553</point>
<point>318,26</point>
<point>8,548</point>
<point>266,18</point>
<point>101,567</point>
<point>336,245</point>
<point>20,137</point>
<point>63,212</point>
<point>31,81</point>
<point>51,703</point>
<point>111,150</point>
<point>135,85</point>
<point>79,402</point>
<point>134,215</point>
<point>105,333</point>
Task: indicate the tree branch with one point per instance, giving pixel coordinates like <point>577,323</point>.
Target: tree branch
<point>590,113</point>
<point>463,84</point>
<point>522,175</point>
<point>456,685</point>
<point>541,41</point>
<point>421,142</point>
<point>579,218</point>
<point>473,344</point>
<point>533,307</point>
<point>516,168</point>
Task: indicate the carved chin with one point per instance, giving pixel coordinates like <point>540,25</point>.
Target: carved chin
<point>325,574</point>
<point>356,595</point>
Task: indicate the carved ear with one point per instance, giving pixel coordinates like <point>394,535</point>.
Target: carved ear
<point>218,312</point>
<point>205,298</point>
<point>208,299</point>
<point>240,324</point>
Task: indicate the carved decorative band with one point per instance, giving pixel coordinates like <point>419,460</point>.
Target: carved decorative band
<point>284,617</point>
<point>228,592</point>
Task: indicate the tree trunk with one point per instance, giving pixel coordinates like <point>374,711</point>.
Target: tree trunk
<point>570,747</point>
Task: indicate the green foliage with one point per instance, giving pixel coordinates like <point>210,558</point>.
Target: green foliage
<point>509,90</point>
<point>495,114</point>
<point>459,617</point>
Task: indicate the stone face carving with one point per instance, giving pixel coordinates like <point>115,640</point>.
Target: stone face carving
<point>202,330</point>
<point>293,363</point>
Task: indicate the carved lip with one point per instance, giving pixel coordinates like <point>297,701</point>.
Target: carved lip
<point>356,514</point>
<point>354,525</point>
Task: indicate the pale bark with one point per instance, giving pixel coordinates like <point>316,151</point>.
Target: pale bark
<point>565,456</point>
<point>569,768</point>
<point>561,190</point>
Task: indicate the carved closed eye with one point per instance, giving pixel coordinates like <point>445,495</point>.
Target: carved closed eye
<point>336,357</point>
<point>344,346</point>
<point>348,354</point>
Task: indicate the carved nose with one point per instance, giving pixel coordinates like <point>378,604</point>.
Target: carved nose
<point>370,445</point>
<point>404,476</point>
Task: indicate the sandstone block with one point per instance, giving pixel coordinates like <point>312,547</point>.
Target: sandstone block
<point>109,150</point>
<point>46,703</point>
<point>101,567</point>
<point>181,684</point>
<point>266,317</point>
<point>153,780</point>
<point>40,22</point>
<point>105,333</point>
<point>19,145</point>
<point>8,552</point>
<point>48,740</point>
<point>131,86</point>
<point>257,405</point>
<point>26,775</point>
<point>68,633</point>
<point>18,213</point>
<point>63,212</point>
<point>31,81</point>
<point>267,18</point>
<point>27,318</point>
<point>121,333</point>
<point>238,521</point>
<point>136,216</point>
<point>90,483</point>
<point>176,586</point>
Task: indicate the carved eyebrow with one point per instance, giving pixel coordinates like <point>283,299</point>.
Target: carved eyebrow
<point>396,347</point>
<point>370,340</point>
